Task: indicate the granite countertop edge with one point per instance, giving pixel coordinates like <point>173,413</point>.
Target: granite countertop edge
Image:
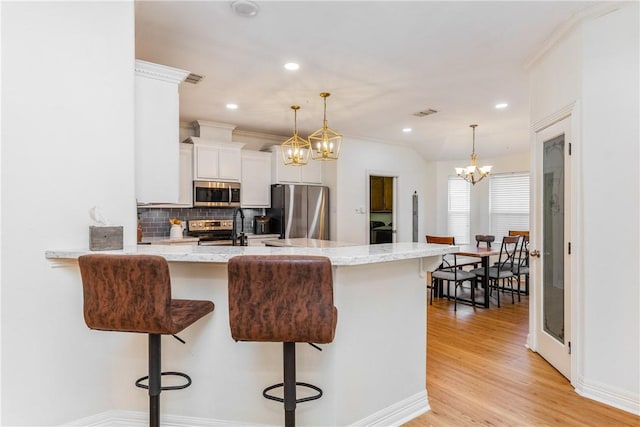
<point>339,256</point>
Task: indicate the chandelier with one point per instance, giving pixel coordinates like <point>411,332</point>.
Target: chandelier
<point>473,173</point>
<point>325,142</point>
<point>295,150</point>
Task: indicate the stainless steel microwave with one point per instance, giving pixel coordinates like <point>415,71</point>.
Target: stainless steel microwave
<point>216,194</point>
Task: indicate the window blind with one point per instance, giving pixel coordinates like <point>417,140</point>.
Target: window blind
<point>458,211</point>
<point>508,203</point>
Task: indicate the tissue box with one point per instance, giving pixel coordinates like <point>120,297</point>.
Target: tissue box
<point>105,238</point>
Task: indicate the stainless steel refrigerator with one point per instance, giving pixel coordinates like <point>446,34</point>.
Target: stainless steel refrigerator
<point>300,211</point>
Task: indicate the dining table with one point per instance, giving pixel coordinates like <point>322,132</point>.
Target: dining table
<point>484,253</point>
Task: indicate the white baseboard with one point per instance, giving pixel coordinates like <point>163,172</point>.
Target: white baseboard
<point>391,416</point>
<point>604,394</point>
<point>398,413</point>
<point>141,419</point>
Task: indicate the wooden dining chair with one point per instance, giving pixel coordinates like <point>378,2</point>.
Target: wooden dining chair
<point>501,274</point>
<point>450,271</point>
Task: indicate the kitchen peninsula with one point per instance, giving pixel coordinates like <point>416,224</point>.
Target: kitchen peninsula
<point>374,373</point>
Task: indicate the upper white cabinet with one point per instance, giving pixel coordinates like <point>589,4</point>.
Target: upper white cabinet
<point>256,173</point>
<point>311,173</point>
<point>216,160</point>
<point>157,158</point>
<point>186,175</point>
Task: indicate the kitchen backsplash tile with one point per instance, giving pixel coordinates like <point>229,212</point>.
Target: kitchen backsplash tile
<point>155,221</point>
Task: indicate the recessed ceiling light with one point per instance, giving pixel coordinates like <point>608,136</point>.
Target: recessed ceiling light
<point>407,130</point>
<point>232,106</point>
<point>501,105</point>
<point>244,8</point>
<point>291,66</point>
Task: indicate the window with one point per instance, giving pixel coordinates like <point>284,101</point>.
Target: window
<point>458,213</point>
<point>508,203</point>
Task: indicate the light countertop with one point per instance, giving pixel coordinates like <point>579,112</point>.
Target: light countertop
<point>307,243</point>
<point>339,255</point>
<point>168,240</point>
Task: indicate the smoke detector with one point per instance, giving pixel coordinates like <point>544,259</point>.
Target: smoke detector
<point>245,8</point>
<point>426,112</point>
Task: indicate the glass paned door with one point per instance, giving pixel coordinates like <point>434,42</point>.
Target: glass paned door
<point>553,237</point>
<point>550,260</point>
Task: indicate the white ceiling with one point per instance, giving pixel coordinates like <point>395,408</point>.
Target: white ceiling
<point>382,61</point>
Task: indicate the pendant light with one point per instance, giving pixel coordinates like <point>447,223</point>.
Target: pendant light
<point>295,150</point>
<point>325,142</point>
<point>473,173</point>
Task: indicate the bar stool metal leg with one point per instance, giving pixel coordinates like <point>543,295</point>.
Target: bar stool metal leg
<point>154,380</point>
<point>289,352</point>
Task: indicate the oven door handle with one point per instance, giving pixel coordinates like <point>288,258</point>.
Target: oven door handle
<point>229,188</point>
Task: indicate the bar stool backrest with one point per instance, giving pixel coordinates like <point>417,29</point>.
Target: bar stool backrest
<point>128,293</point>
<point>281,298</point>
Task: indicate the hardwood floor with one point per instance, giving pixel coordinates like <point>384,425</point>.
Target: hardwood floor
<point>480,373</point>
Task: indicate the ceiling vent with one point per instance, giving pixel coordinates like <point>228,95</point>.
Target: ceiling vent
<point>193,78</point>
<point>427,112</point>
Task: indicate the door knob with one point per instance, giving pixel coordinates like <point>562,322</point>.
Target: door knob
<point>535,253</point>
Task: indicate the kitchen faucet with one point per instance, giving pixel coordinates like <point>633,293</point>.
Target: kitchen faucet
<point>234,232</point>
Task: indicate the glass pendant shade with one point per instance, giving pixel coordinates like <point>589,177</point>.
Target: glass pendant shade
<point>325,142</point>
<point>295,150</point>
<point>473,173</point>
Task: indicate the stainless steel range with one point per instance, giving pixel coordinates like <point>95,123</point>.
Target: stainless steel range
<point>211,232</point>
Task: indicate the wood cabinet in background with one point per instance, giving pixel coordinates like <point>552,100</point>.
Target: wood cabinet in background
<point>381,193</point>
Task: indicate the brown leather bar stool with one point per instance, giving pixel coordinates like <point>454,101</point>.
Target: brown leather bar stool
<point>283,298</point>
<point>132,293</point>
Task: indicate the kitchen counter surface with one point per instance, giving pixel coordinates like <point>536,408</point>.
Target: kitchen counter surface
<point>168,241</point>
<point>307,243</point>
<point>339,255</point>
<point>262,236</point>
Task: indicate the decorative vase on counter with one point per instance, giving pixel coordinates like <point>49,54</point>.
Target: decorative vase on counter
<point>176,231</point>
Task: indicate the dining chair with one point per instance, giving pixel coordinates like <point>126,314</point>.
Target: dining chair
<point>521,262</point>
<point>517,258</point>
<point>502,273</point>
<point>450,271</point>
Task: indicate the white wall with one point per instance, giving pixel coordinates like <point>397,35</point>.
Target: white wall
<point>67,145</point>
<point>358,158</point>
<point>596,66</point>
<point>610,93</point>
<point>479,214</point>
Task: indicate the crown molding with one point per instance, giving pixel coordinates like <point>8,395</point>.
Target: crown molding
<point>160,72</point>
<point>567,26</point>
<point>216,125</point>
<point>258,135</point>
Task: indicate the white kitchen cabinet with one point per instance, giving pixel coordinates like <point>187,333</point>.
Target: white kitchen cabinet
<point>157,160</point>
<point>256,173</point>
<point>186,175</point>
<point>216,160</point>
<point>230,163</point>
<point>311,173</point>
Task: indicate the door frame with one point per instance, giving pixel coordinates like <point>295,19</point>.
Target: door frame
<point>394,213</point>
<point>574,266</point>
